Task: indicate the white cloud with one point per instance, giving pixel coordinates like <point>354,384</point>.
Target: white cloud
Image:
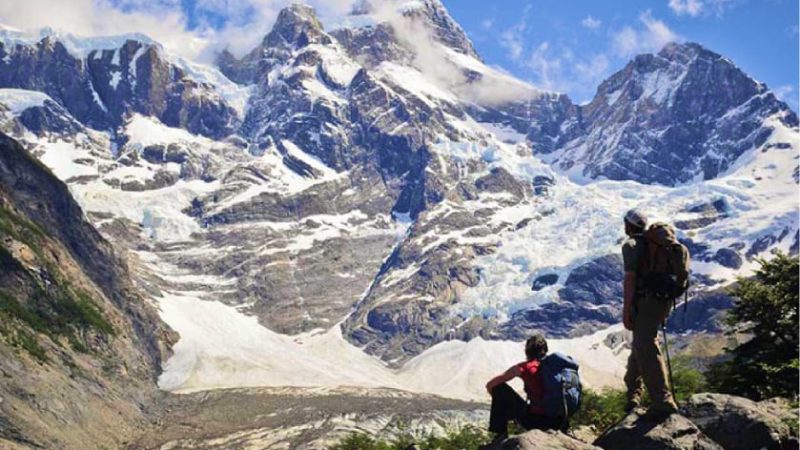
<point>593,70</point>
<point>785,93</point>
<point>487,24</point>
<point>562,70</point>
<point>695,8</point>
<point>546,68</point>
<point>162,21</point>
<point>513,39</point>
<point>591,23</point>
<point>651,36</point>
<point>434,60</point>
<point>688,7</point>
<point>247,21</point>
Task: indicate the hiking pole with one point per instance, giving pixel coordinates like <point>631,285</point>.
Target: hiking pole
<point>669,363</point>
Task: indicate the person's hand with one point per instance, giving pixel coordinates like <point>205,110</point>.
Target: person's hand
<point>627,319</point>
<point>489,387</point>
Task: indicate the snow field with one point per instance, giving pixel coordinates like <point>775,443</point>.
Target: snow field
<point>18,100</point>
<point>221,348</point>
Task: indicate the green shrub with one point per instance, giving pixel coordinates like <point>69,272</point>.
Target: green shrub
<point>55,314</point>
<point>687,379</point>
<point>765,307</point>
<point>600,409</point>
<point>465,438</point>
<point>28,342</point>
<point>360,441</point>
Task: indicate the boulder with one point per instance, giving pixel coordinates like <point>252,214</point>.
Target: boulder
<point>738,423</point>
<point>674,433</point>
<point>545,440</point>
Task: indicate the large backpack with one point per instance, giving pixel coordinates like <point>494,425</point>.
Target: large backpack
<point>665,265</point>
<point>561,385</point>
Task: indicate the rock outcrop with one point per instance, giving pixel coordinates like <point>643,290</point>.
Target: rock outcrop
<point>637,432</point>
<point>738,423</point>
<point>545,440</point>
<point>708,422</point>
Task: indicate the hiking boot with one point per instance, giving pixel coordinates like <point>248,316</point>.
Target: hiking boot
<point>630,406</point>
<point>659,413</point>
<point>495,444</point>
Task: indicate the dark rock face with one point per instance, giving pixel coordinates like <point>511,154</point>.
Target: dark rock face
<point>547,120</point>
<point>49,118</point>
<point>675,433</point>
<point>499,180</point>
<point>598,282</point>
<point>738,423</point>
<point>543,281</point>
<point>704,312</point>
<point>708,213</point>
<point>373,45</point>
<point>728,257</point>
<point>542,185</point>
<point>561,319</point>
<point>109,84</point>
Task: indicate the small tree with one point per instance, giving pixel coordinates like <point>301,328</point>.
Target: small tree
<point>765,307</point>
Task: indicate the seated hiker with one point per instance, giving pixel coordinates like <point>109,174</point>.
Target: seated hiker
<point>508,405</point>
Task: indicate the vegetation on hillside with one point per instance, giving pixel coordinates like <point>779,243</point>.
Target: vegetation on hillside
<point>43,303</point>
<point>766,308</point>
<point>468,437</point>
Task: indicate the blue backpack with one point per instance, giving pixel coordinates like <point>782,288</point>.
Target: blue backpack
<point>561,385</point>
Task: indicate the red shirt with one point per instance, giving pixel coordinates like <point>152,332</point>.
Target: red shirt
<point>529,372</point>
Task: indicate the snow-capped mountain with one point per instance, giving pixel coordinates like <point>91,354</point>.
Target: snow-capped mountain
<point>682,115</point>
<point>376,190</point>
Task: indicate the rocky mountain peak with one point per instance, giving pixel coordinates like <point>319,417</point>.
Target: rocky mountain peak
<point>677,114</point>
<point>297,25</point>
<point>439,20</point>
<point>683,75</point>
<point>431,14</point>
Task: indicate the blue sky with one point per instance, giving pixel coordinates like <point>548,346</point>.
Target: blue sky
<point>571,46</point>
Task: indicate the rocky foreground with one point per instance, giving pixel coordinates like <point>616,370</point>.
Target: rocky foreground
<point>299,418</point>
<point>316,419</point>
<point>708,422</point>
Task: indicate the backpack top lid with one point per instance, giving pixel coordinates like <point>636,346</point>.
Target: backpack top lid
<point>662,234</point>
<point>559,361</point>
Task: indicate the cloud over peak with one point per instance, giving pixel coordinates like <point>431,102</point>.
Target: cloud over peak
<point>650,36</point>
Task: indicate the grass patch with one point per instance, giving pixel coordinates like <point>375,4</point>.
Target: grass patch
<point>468,437</point>
<point>20,229</point>
<point>59,315</point>
<point>30,344</point>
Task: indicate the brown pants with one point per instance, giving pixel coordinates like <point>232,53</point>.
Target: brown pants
<point>646,362</point>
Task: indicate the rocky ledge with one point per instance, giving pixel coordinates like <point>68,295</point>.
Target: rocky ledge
<point>707,422</point>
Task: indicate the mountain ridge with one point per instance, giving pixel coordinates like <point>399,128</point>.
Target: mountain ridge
<point>410,207</point>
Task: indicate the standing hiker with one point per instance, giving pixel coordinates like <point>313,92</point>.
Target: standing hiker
<point>648,262</point>
<point>551,384</point>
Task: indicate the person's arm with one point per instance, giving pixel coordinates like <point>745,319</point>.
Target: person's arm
<point>628,288</point>
<point>504,377</point>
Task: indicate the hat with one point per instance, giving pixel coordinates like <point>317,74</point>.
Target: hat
<point>636,218</point>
